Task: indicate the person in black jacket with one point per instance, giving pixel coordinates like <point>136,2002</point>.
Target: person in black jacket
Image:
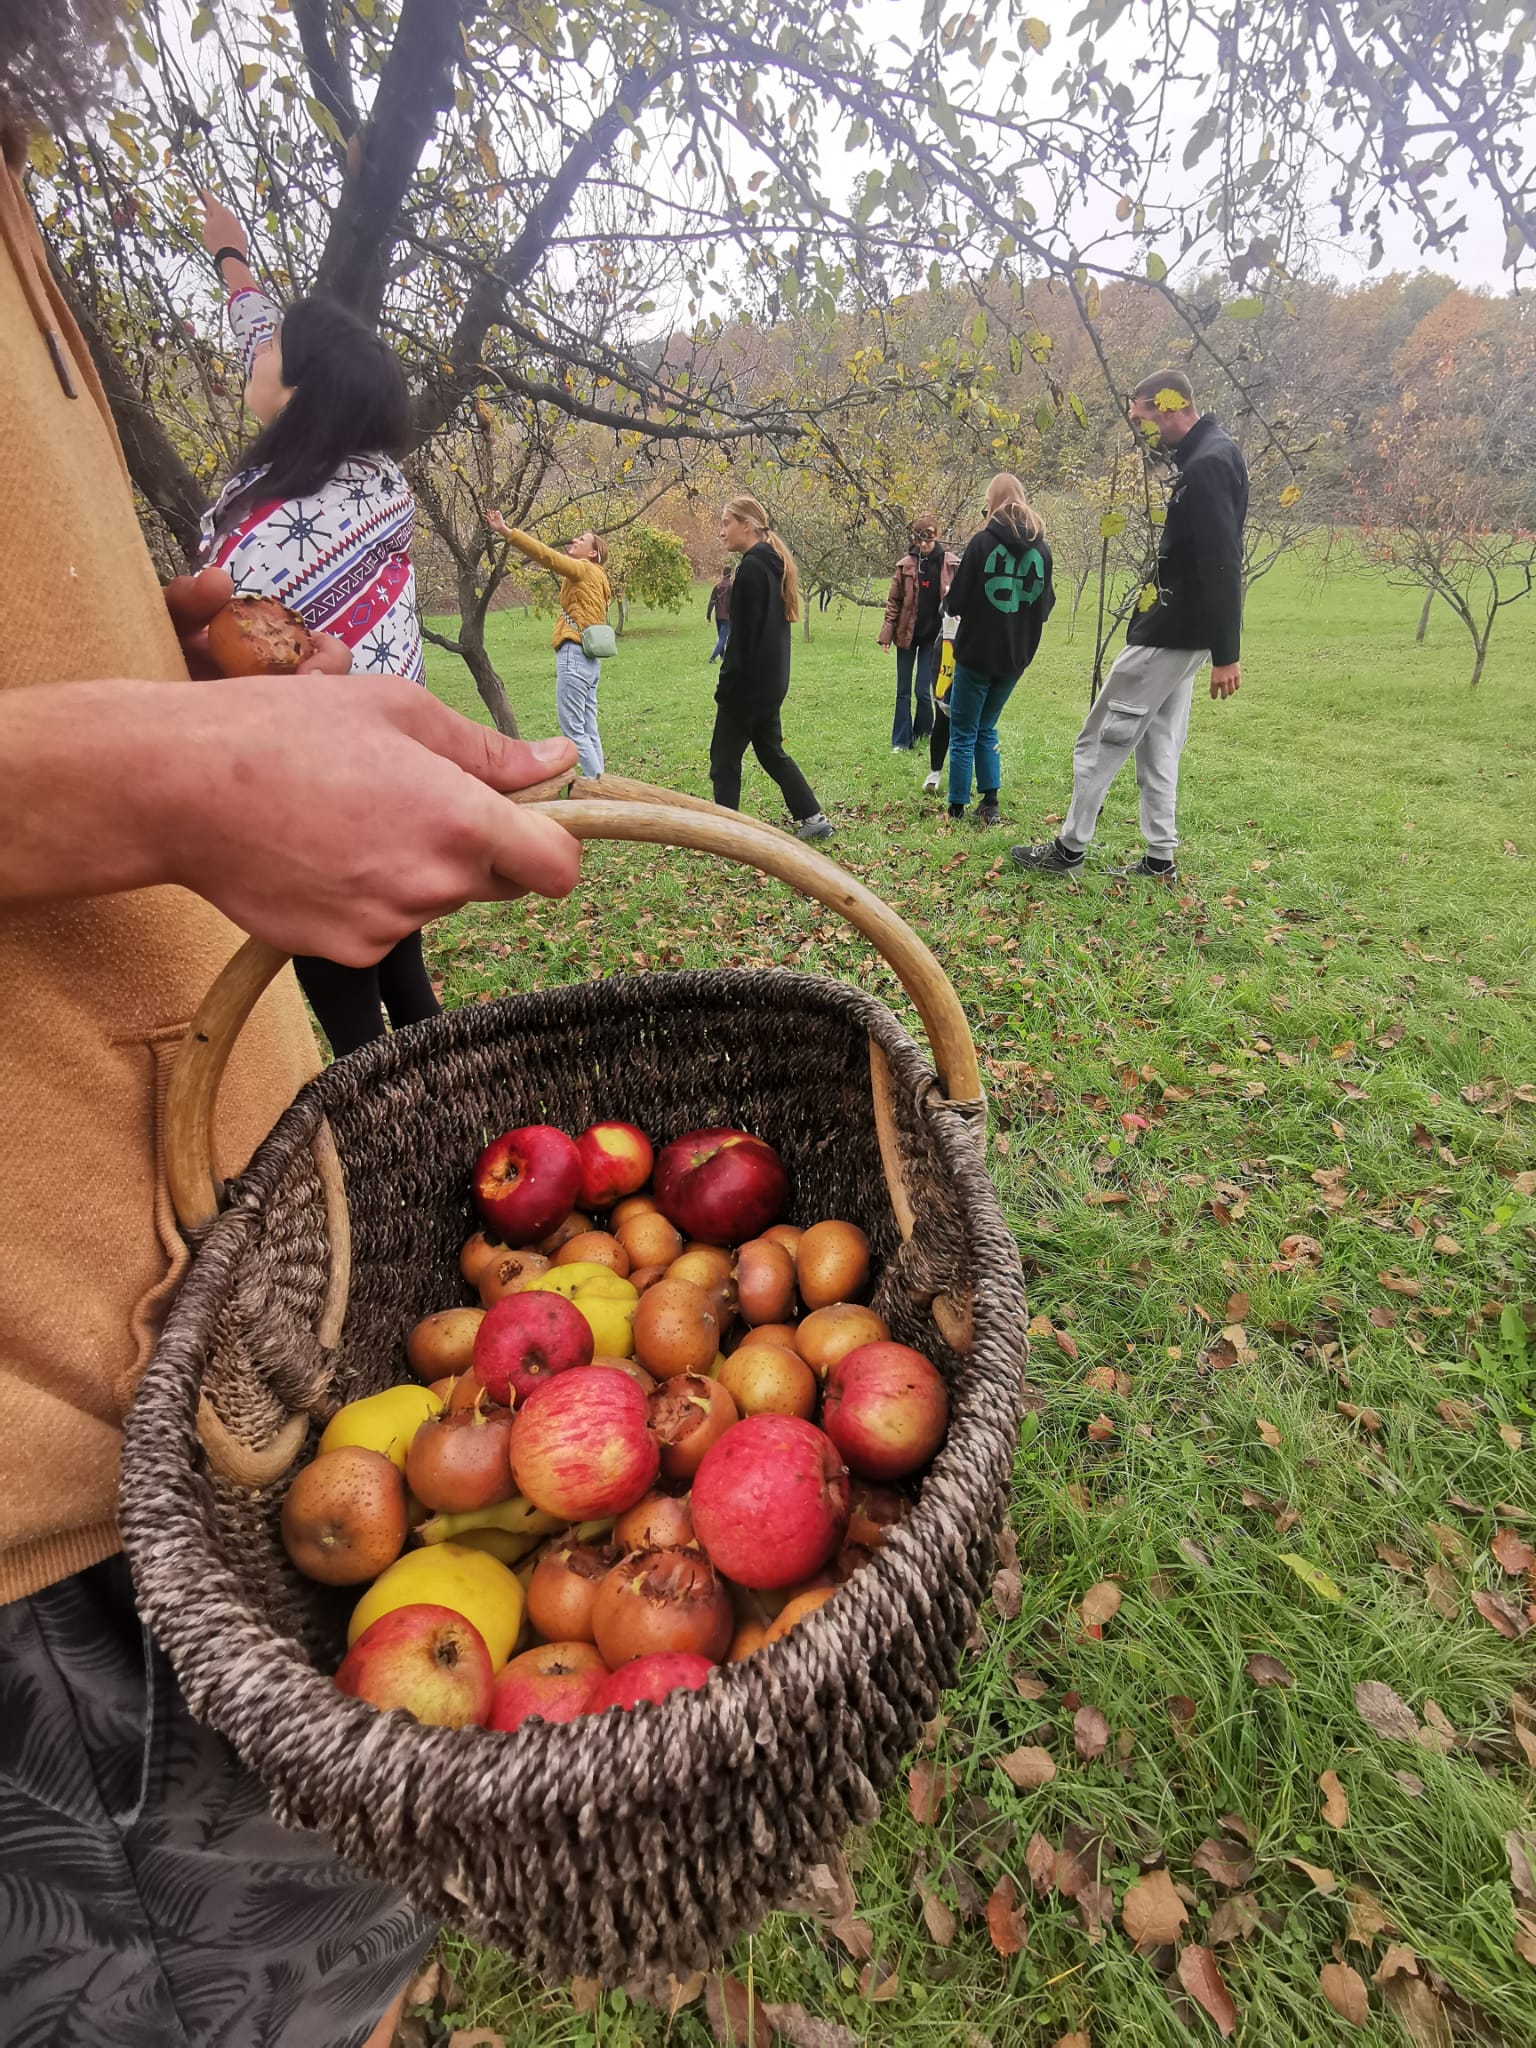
<point>1002,594</point>
<point>1197,618</point>
<point>719,609</point>
<point>754,670</point>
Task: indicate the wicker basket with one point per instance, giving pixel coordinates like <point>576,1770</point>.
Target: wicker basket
<point>636,1842</point>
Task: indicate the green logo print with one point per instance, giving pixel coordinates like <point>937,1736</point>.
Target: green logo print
<point>1011,584</point>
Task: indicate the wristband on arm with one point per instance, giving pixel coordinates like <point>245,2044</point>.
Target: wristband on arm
<point>219,258</point>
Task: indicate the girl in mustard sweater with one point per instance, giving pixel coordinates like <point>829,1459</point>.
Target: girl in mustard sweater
<point>585,595</point>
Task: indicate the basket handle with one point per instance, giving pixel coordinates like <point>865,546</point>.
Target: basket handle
<point>612,808</point>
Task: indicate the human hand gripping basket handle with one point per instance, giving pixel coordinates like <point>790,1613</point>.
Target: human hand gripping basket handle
<point>610,808</point>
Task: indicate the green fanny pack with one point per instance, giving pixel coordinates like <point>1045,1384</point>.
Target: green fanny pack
<point>598,643</point>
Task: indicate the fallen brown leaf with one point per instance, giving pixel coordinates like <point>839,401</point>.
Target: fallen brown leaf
<point>1223,1862</point>
<point>1419,2012</point>
<point>1152,1912</point>
<point>1399,1560</point>
<point>1071,2041</point>
<point>1335,1804</point>
<point>1182,1709</point>
<point>1382,1318</point>
<point>1323,1879</point>
<point>1344,1989</point>
<point>874,1987</point>
<point>734,2015</point>
<point>1447,1247</point>
<point>1443,1591</point>
<point>1090,1733</point>
<point>1458,1415</point>
<point>1028,1768</point>
<point>1201,1978</point>
<point>1100,1603</point>
<point>1501,1614</point>
<point>1451,1544</point>
<point>1525,1936</point>
<point>1520,1847</point>
<point>1095,1909</point>
<point>1040,1861</point>
<point>1268,1433</point>
<point>1399,1283</point>
<point>423,1987</point>
<point>1439,1721</point>
<point>586,1993</point>
<point>683,1991</point>
<point>928,1786</point>
<point>1268,1671</point>
<point>1384,1712</point>
<point>1511,1438</point>
<point>1008,1592</point>
<point>1101,1429</point>
<point>792,2023</point>
<point>1513,1553</point>
<point>1029,1685</point>
<point>1411,1783</point>
<point>1300,1250</point>
<point>1233,1920</point>
<point>1364,1917</point>
<point>938,1919</point>
<point>826,1893</point>
<point>1006,1920</point>
<point>476,2037</point>
<point>1398,1960</point>
<point>1522,1716</point>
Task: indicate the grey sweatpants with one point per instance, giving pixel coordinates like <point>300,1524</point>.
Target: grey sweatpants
<point>576,680</point>
<point>1143,709</point>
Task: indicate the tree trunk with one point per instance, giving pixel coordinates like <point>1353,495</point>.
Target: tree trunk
<point>1482,655</point>
<point>1429,598</point>
<point>493,693</point>
<point>805,618</point>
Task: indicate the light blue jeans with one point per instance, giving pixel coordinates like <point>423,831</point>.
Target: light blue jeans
<point>975,705</point>
<point>576,680</point>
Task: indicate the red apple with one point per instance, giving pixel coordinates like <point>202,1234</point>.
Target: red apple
<point>770,1501</point>
<point>554,1682</point>
<point>426,1659</point>
<point>650,1678</point>
<point>616,1159</point>
<point>886,1409</point>
<point>580,1446</point>
<point>525,1340</point>
<point>525,1181</point>
<point>720,1186</point>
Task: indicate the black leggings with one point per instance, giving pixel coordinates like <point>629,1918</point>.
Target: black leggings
<point>938,739</point>
<point>350,1001</point>
<point>757,727</point>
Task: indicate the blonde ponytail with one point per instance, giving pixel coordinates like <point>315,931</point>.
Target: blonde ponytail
<point>752,512</point>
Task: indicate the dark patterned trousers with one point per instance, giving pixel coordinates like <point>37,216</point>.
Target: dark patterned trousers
<point>148,1899</point>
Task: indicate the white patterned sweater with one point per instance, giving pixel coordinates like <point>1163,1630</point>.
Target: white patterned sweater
<point>340,558</point>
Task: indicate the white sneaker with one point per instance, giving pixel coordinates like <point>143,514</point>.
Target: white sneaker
<point>817,827</point>
<point>901,750</point>
<point>931,780</point>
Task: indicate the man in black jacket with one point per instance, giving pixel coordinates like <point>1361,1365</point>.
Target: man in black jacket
<point>1144,705</point>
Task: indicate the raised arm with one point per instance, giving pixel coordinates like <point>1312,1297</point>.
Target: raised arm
<point>528,544</point>
<point>253,315</point>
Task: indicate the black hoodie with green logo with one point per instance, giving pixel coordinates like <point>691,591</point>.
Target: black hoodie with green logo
<point>1002,595</point>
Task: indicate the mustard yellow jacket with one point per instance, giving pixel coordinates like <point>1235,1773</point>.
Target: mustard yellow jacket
<point>585,592</point>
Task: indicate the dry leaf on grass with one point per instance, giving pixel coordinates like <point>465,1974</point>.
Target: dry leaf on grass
<point>826,1893</point>
<point>1201,1978</point>
<point>928,1786</point>
<point>423,1987</point>
<point>1095,1909</point>
<point>1090,1733</point>
<point>1234,1919</point>
<point>1397,1283</point>
<point>1457,1415</point>
<point>1071,2041</point>
<point>1225,1863</point>
<point>1520,1848</point>
<point>1152,1912</point>
<point>586,1993</point>
<point>1268,1671</point>
<point>1419,2013</point>
<point>1028,1768</point>
<point>1100,1603</point>
<point>1040,1862</point>
<point>1101,1429</point>
<point>1443,1591</point>
<point>874,1987</point>
<point>1268,1432</point>
<point>1383,1711</point>
<point>1322,1878</point>
<point>736,2019</point>
<point>938,1919</point>
<point>1311,1575</point>
<point>1411,1783</point>
<point>1522,1716</point>
<point>683,1991</point>
<point>1525,1936</point>
<point>1513,1553</point>
<point>1399,1960</point>
<point>1335,1805</point>
<point>1364,1917</point>
<point>1451,1544</point>
<point>792,2023</point>
<point>1344,1989</point>
<point>1502,1614</point>
<point>1008,1592</point>
<point>476,2037</point>
<point>1006,1918</point>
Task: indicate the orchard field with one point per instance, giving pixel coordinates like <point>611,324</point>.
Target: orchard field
<point>1267,1144</point>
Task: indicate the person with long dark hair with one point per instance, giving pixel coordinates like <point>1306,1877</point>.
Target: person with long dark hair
<point>914,608</point>
<point>1003,594</point>
<point>754,670</point>
<point>319,516</point>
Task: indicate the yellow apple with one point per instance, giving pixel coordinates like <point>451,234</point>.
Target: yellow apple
<point>470,1582</point>
<point>607,1301</point>
<point>382,1422</point>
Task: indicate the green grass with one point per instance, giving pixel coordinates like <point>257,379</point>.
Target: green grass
<point>1349,952</point>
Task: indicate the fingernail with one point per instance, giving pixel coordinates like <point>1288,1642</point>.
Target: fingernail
<point>552,753</point>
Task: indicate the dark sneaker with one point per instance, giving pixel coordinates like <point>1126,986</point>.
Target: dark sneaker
<point>1050,859</point>
<point>817,827</point>
<point>1148,870</point>
<point>988,814</point>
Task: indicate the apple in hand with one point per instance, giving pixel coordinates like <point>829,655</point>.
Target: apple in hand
<point>721,1186</point>
<point>616,1159</point>
<point>554,1682</point>
<point>525,1340</point>
<point>426,1659</point>
<point>525,1181</point>
<point>886,1409</point>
